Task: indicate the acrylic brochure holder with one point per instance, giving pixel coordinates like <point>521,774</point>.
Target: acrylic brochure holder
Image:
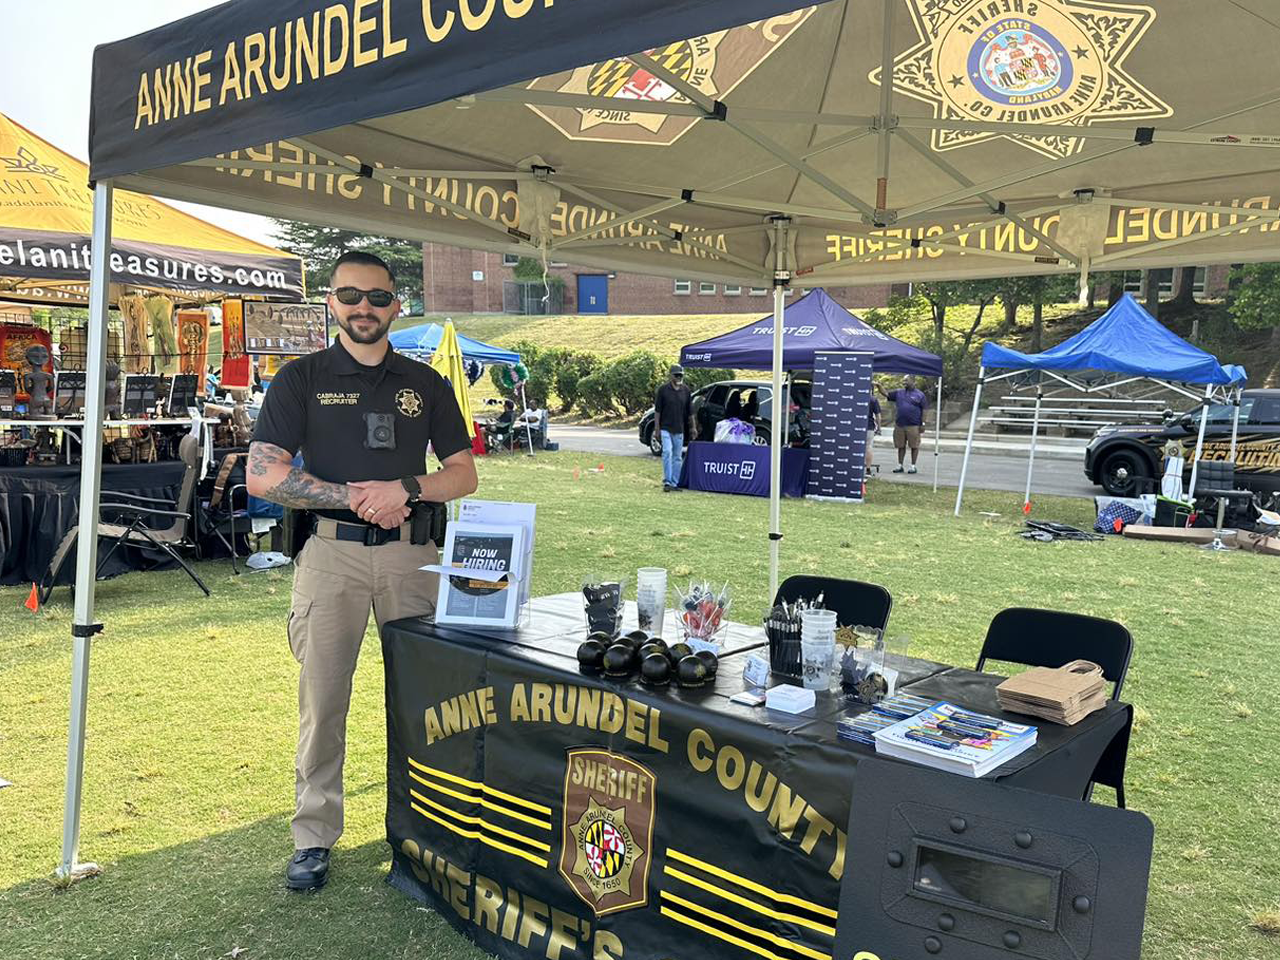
<point>484,575</point>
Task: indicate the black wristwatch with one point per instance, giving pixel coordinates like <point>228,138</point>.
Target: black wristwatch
<point>413,488</point>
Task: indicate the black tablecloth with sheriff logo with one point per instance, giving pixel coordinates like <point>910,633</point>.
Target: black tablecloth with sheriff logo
<point>548,813</point>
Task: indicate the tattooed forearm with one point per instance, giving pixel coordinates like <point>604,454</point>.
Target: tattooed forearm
<point>300,489</point>
<point>272,476</point>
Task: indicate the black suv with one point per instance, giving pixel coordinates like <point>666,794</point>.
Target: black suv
<point>1119,456</point>
<point>754,398</point>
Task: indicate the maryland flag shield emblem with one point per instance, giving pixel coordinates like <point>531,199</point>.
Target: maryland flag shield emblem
<point>714,64</point>
<point>608,829</point>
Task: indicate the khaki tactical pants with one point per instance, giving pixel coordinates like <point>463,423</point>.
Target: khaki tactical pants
<point>334,585</point>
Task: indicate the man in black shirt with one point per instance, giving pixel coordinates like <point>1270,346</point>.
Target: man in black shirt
<point>672,415</point>
<point>362,417</point>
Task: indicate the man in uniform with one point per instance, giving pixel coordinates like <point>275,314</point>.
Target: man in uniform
<point>362,416</point>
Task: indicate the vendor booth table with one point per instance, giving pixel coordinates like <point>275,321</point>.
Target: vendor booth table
<point>547,812</point>
<point>38,505</point>
<point>742,468</point>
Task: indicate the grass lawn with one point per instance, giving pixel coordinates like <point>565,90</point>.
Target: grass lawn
<point>192,715</point>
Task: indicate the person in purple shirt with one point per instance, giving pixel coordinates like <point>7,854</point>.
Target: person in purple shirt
<point>911,405</point>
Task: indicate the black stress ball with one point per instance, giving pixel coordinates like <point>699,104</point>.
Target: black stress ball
<point>655,670</point>
<point>651,648</point>
<point>710,661</point>
<point>591,654</point>
<point>618,660</point>
<point>638,637</point>
<point>599,636</point>
<point>691,672</point>
<point>678,651</point>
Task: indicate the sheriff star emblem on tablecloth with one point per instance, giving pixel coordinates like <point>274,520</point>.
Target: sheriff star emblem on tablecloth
<point>1038,61</point>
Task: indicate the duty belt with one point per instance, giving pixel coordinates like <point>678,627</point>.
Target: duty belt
<point>368,534</point>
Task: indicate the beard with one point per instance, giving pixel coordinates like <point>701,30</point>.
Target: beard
<point>367,334</point>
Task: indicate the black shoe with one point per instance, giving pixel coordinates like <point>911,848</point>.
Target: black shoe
<point>308,870</point>
<point>666,488</point>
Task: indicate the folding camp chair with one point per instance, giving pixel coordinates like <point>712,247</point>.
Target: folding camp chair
<point>125,519</point>
<point>1051,638</point>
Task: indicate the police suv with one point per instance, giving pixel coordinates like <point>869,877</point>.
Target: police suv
<point>1119,457</point>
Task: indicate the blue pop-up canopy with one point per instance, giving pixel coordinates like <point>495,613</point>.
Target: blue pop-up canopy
<point>1125,339</point>
<point>425,337</point>
<point>814,322</point>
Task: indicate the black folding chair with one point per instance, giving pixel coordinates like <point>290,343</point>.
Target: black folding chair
<point>856,603</point>
<point>126,519</point>
<point>1051,638</point>
<point>1216,488</point>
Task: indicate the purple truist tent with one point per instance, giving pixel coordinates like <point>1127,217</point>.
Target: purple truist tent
<point>814,322</point>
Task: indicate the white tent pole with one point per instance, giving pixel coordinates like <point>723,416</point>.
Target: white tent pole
<point>968,446</point>
<point>82,625</point>
<point>1204,419</point>
<point>937,437</point>
<point>1031,460</point>
<point>1235,423</point>
<point>528,431</point>
<point>776,439</point>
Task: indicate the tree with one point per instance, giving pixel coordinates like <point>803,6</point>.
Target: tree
<point>942,294</point>
<point>1050,289</point>
<point>1035,291</point>
<point>1256,304</point>
<point>1013,293</point>
<point>320,246</point>
<point>1184,289</point>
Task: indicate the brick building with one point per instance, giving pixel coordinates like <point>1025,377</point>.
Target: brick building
<point>455,280</point>
<point>461,281</point>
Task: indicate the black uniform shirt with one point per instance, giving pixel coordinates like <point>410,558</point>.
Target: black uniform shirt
<point>316,405</point>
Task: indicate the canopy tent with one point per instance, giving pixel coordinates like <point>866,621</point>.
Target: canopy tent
<point>747,140</point>
<point>46,210</point>
<point>816,322</point>
<point>1126,341</point>
<point>425,337</point>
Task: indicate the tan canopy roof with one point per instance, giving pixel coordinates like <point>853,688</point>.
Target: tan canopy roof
<point>1017,136</point>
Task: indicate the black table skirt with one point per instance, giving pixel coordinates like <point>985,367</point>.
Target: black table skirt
<point>38,505</point>
<point>726,821</point>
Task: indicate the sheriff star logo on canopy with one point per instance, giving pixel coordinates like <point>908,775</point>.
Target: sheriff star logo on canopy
<point>1025,61</point>
<point>608,829</point>
<point>714,64</point>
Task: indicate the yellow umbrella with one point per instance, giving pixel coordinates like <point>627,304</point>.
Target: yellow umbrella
<point>447,361</point>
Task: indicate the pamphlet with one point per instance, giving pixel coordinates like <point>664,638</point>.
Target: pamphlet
<point>950,738</point>
<point>503,512</point>
<point>481,574</point>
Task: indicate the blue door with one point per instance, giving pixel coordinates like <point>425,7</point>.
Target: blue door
<point>593,293</point>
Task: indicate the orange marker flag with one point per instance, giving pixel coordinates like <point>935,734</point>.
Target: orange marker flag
<point>33,600</point>
<point>1026,508</point>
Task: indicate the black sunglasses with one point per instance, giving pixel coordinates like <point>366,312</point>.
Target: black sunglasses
<point>353,295</point>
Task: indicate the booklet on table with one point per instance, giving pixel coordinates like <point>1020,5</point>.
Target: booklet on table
<point>951,738</point>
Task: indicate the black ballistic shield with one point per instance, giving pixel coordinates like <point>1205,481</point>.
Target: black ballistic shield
<point>972,870</point>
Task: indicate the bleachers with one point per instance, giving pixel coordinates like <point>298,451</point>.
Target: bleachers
<point>1065,412</point>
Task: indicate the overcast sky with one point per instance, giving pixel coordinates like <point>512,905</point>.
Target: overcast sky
<point>46,66</point>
